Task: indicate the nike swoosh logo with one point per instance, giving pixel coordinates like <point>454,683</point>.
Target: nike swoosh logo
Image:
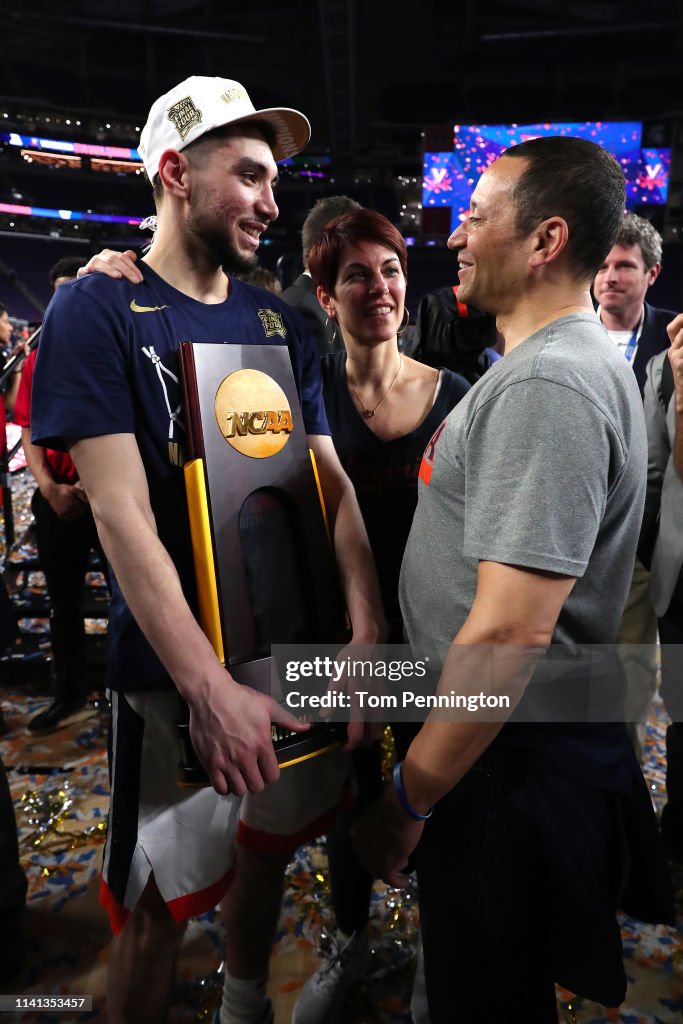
<point>145,309</point>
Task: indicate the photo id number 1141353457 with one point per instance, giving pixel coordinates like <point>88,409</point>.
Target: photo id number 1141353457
<point>31,1001</point>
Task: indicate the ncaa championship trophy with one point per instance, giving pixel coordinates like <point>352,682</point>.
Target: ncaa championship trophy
<point>263,560</point>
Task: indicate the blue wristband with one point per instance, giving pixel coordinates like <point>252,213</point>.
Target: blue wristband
<point>403,796</point>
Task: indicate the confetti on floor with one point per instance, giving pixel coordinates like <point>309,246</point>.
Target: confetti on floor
<point>60,787</point>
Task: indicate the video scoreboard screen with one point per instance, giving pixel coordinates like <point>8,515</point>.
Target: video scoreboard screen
<point>451,174</point>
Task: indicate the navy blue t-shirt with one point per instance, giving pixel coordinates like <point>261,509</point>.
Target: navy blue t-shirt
<point>108,365</point>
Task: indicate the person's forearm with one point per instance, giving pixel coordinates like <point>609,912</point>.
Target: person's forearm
<point>151,587</point>
<point>352,551</point>
<point>658,455</point>
<point>508,629</point>
<point>678,437</point>
<point>229,724</point>
<point>443,751</point>
<point>67,501</point>
<point>354,561</point>
<point>146,574</point>
<point>675,356</point>
<point>10,396</point>
<point>36,460</point>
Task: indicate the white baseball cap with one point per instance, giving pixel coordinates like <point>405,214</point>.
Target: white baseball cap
<point>199,104</point>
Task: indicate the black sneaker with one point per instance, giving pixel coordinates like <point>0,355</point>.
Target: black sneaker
<point>57,715</point>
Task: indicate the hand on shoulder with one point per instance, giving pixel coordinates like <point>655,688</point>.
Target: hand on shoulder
<point>114,264</point>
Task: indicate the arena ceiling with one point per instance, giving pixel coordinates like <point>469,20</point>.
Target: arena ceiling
<point>368,73</point>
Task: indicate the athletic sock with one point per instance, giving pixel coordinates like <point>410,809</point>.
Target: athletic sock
<point>243,1001</point>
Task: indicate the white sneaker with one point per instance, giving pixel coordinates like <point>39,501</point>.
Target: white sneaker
<point>265,1016</point>
<point>322,997</point>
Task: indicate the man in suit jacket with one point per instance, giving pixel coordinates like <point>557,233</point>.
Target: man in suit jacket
<point>302,293</point>
<point>620,286</point>
<point>639,331</point>
<point>663,514</point>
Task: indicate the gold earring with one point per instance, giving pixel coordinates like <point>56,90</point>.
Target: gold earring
<point>331,340</point>
<point>404,321</point>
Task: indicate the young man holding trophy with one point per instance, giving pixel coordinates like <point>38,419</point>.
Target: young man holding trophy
<point>106,388</point>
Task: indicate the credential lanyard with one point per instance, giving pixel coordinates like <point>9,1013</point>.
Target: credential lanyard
<point>632,345</point>
<point>634,339</point>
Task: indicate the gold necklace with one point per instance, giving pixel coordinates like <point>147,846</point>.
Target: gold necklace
<point>369,413</point>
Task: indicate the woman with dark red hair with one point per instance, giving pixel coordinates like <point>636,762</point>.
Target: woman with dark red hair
<point>382,406</point>
<point>383,409</point>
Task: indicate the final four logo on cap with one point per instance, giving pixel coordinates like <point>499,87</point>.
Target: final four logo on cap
<point>199,105</point>
<point>184,115</point>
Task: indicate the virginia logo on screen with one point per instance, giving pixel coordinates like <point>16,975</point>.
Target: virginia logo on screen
<point>253,414</point>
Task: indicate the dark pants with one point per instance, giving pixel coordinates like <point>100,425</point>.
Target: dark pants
<point>671,637</point>
<point>64,547</point>
<point>521,870</point>
<point>350,883</point>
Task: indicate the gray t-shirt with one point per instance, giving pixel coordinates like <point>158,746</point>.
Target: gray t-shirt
<point>543,465</point>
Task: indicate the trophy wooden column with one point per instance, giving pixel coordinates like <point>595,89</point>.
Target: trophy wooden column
<point>263,560</point>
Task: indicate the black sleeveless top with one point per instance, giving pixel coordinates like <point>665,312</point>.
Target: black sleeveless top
<point>384,473</point>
